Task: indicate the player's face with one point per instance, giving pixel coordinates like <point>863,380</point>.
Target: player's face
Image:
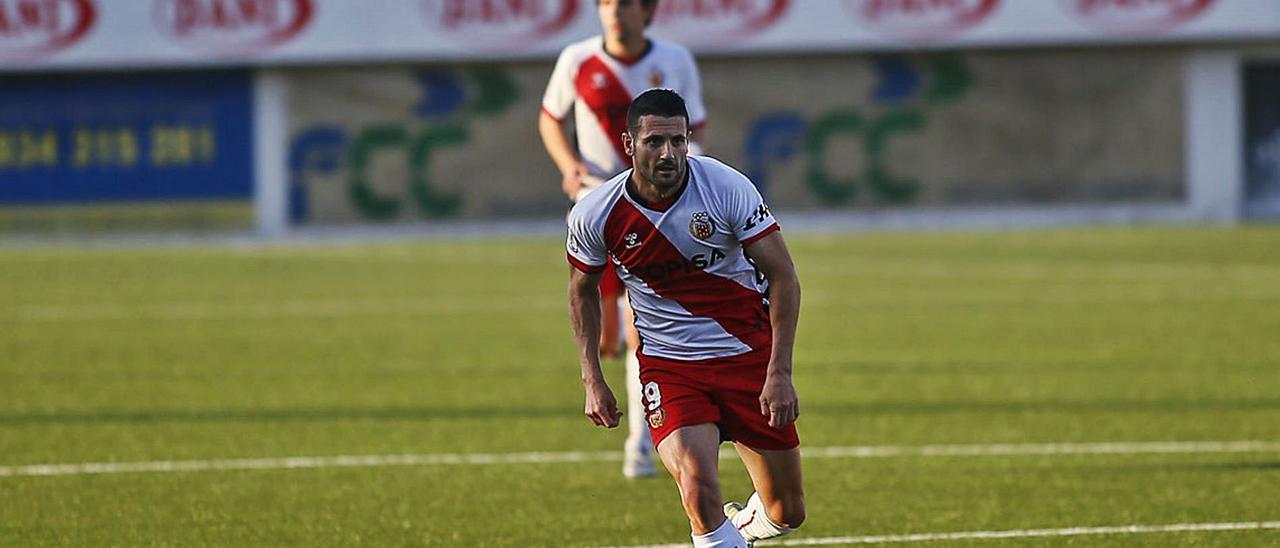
<point>659,150</point>
<point>623,19</point>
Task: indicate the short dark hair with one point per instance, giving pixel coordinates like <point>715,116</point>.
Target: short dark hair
<point>648,4</point>
<point>645,3</point>
<point>656,102</point>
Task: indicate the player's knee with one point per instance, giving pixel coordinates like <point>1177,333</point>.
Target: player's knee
<point>787,511</point>
<point>701,493</point>
<point>699,484</point>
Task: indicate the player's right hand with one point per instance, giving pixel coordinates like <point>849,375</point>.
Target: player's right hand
<point>602,407</point>
<point>571,182</point>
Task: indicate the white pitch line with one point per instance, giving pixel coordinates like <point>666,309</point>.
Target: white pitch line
<point>341,461</point>
<point>1017,533</point>
<point>1104,448</point>
<point>884,451</point>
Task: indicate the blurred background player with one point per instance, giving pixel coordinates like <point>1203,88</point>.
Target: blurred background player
<point>717,301</point>
<point>597,78</point>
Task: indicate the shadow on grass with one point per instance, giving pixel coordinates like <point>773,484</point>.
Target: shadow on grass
<point>849,409</point>
<point>995,367</point>
<point>333,414</point>
<point>1243,466</point>
<point>1175,406</point>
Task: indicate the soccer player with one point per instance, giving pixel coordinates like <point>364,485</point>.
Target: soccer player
<point>596,79</point>
<point>716,302</point>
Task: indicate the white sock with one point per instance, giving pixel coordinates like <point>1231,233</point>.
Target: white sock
<point>725,537</point>
<point>754,523</point>
<point>638,440</point>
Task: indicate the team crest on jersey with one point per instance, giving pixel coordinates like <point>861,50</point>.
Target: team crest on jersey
<point>656,418</point>
<point>655,78</point>
<point>633,240</point>
<point>700,225</point>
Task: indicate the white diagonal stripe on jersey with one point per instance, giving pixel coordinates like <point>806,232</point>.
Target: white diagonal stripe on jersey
<point>663,268</point>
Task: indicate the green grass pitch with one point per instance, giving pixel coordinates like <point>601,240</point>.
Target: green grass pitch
<point>462,347</point>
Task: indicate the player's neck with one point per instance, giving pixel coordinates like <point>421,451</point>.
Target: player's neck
<point>627,51</point>
<point>653,196</point>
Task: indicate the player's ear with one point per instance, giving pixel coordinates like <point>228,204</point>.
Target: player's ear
<point>628,144</point>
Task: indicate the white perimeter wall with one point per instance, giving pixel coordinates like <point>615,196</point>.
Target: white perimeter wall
<point>270,157</point>
<point>1214,134</point>
<point>1213,162</point>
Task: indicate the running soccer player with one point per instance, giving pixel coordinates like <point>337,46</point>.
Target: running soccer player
<point>596,79</point>
<point>716,302</point>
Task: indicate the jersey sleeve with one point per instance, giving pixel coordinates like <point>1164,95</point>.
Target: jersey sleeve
<point>585,247</point>
<point>747,210</point>
<point>560,93</point>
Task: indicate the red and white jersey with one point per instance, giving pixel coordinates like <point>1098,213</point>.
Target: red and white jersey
<point>599,88</point>
<point>695,294</point>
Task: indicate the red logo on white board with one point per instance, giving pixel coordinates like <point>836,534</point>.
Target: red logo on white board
<point>1135,15</point>
<point>35,28</point>
<point>500,22</point>
<point>232,26</point>
<point>715,22</point>
<point>921,20</point>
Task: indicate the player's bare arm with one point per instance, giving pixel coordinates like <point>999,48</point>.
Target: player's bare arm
<point>778,399</point>
<point>555,137</point>
<point>697,136</point>
<point>584,315</point>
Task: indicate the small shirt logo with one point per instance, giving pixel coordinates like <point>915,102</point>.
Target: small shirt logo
<point>656,418</point>
<point>700,225</point>
<point>633,240</point>
<point>655,78</point>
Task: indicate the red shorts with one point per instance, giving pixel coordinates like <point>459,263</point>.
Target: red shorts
<point>723,391</point>
<point>610,283</point>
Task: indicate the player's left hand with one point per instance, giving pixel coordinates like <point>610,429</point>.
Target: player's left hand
<point>601,406</point>
<point>571,182</point>
<point>779,402</point>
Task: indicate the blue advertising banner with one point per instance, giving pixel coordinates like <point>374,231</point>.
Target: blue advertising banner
<point>141,137</point>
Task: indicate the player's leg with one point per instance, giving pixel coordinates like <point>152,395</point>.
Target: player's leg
<point>638,449</point>
<point>609,328</point>
<point>682,418</point>
<point>691,454</point>
<point>771,455</point>
<point>610,292</point>
<point>777,506</point>
<point>630,335</point>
